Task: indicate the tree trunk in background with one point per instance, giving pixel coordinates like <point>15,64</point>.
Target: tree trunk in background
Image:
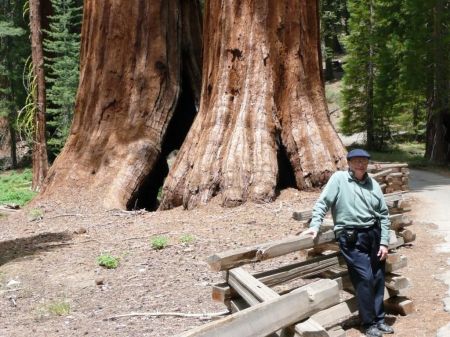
<point>12,144</point>
<point>438,120</point>
<point>40,160</point>
<point>370,118</point>
<point>132,65</point>
<point>263,115</point>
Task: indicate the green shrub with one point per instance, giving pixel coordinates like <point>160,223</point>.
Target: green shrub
<point>411,153</point>
<point>187,239</point>
<point>159,242</point>
<point>15,187</point>
<point>108,261</point>
<point>59,308</point>
<point>35,214</point>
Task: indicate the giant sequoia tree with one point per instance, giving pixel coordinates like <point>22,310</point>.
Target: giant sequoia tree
<point>262,101</point>
<point>262,122</point>
<point>138,59</point>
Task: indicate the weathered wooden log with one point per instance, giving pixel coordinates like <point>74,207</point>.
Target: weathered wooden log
<point>380,173</point>
<point>302,215</point>
<point>254,292</point>
<point>293,244</point>
<point>222,292</point>
<point>310,328</point>
<point>398,243</point>
<point>270,316</point>
<point>237,257</point>
<point>399,221</point>
<point>399,305</point>
<point>237,304</point>
<point>407,235</point>
<point>337,331</point>
<point>251,289</point>
<point>385,166</point>
<point>395,261</point>
<point>396,282</point>
<point>7,209</point>
<point>333,315</point>
<point>392,237</point>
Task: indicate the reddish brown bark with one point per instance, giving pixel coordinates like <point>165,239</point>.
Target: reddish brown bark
<point>40,160</point>
<point>130,83</point>
<point>262,95</point>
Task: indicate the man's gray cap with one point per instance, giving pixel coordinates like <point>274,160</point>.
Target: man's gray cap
<point>358,153</point>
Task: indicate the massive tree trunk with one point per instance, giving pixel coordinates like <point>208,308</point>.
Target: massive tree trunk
<point>135,68</point>
<point>263,116</point>
<point>438,119</point>
<point>40,160</point>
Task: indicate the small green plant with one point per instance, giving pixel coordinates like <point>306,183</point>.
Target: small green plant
<point>36,214</point>
<point>108,261</point>
<point>187,239</point>
<point>59,308</point>
<point>159,242</point>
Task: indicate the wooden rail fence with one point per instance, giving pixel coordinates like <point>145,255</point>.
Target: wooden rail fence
<point>272,303</point>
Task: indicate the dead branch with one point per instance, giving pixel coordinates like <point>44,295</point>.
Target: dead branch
<point>177,314</point>
<point>63,215</point>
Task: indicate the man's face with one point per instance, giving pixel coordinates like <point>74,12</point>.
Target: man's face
<point>359,166</point>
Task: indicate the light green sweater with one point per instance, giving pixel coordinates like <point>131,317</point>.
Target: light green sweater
<point>349,201</point>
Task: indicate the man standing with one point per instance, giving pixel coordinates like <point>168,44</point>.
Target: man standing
<point>361,225</point>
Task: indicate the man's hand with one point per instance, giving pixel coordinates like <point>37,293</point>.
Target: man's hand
<point>383,252</point>
<point>309,232</point>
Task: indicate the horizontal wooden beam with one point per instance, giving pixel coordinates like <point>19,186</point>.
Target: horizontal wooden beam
<point>383,166</point>
<point>396,282</point>
<point>270,316</point>
<point>380,173</point>
<point>293,244</point>
<point>399,305</point>
<point>395,261</point>
<point>240,256</point>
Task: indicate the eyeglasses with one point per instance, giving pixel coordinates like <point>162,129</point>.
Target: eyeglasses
<point>359,161</point>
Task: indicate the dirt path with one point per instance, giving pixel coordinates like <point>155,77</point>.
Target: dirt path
<point>432,194</point>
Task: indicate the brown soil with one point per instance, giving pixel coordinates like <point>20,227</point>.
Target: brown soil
<point>51,261</point>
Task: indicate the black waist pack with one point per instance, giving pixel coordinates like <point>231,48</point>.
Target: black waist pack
<point>350,234</point>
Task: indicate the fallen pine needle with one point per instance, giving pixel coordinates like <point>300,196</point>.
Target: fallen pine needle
<point>178,314</point>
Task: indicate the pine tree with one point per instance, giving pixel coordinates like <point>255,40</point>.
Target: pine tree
<point>358,79</point>
<point>411,53</point>
<point>14,50</point>
<point>62,44</point>
<point>375,99</point>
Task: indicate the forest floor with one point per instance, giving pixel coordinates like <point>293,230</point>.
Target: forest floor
<point>51,284</point>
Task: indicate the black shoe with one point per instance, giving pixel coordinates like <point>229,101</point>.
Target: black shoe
<point>372,331</point>
<point>384,328</point>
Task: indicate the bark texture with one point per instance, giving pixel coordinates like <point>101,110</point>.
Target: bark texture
<point>262,100</point>
<point>130,82</point>
<point>438,119</point>
<point>40,160</point>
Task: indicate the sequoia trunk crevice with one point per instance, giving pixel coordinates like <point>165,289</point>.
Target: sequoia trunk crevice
<point>262,90</point>
<point>132,58</point>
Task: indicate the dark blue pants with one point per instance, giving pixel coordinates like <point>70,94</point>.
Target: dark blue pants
<point>366,273</point>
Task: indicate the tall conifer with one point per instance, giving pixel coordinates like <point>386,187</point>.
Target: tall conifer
<point>62,45</point>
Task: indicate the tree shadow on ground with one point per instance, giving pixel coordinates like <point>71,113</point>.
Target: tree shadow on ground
<point>18,248</point>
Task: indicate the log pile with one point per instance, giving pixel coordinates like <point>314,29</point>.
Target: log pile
<point>392,177</point>
<point>313,297</point>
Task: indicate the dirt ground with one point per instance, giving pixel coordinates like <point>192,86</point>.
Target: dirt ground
<point>48,265</point>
